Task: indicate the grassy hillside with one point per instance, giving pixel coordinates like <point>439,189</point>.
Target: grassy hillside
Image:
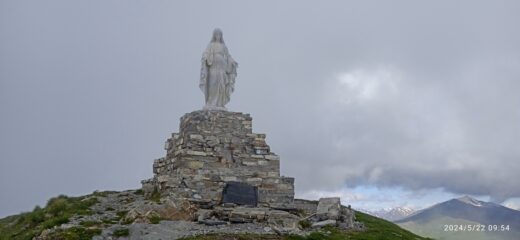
<point>58,211</point>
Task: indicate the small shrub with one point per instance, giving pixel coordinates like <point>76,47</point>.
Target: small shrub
<point>304,224</point>
<point>121,214</point>
<point>127,221</point>
<point>74,233</point>
<point>110,221</point>
<point>155,196</point>
<point>121,232</point>
<point>35,217</point>
<point>139,192</point>
<point>100,194</point>
<point>155,219</point>
<point>57,205</point>
<point>55,221</point>
<point>89,223</point>
<point>300,212</point>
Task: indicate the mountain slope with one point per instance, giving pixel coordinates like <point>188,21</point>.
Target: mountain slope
<point>450,220</point>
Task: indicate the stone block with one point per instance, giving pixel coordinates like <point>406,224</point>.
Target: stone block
<point>324,223</point>
<point>254,180</point>
<point>194,164</point>
<point>272,157</point>
<point>263,163</point>
<point>328,208</point>
<point>167,145</point>
<point>196,137</point>
<point>249,213</point>
<point>250,163</point>
<point>196,153</point>
<point>283,221</point>
<point>230,179</point>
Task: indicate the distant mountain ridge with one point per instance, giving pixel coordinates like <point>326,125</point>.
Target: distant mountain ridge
<point>466,210</point>
<point>392,214</point>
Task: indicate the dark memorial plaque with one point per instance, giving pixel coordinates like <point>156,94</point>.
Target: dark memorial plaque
<point>240,193</point>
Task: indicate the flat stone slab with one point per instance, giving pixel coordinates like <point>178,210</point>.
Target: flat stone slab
<point>328,208</point>
<point>240,193</point>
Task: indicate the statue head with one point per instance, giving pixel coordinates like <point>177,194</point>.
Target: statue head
<point>217,36</point>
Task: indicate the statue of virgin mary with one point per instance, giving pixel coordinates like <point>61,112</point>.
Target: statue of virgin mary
<point>218,73</point>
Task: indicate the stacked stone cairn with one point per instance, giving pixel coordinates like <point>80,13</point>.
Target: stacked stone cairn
<point>229,175</point>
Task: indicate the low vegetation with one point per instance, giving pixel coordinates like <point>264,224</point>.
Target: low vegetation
<point>57,211</point>
<point>74,233</point>
<point>121,232</point>
<point>155,219</point>
<point>155,196</point>
<point>304,224</point>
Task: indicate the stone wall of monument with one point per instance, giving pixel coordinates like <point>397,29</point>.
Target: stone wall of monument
<point>215,147</point>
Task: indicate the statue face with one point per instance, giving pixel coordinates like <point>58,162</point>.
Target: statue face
<point>217,35</point>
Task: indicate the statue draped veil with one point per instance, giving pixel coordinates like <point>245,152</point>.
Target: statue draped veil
<point>218,73</point>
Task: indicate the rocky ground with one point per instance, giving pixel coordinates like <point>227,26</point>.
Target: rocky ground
<point>131,215</point>
<point>178,229</point>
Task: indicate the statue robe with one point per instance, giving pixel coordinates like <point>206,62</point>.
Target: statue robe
<point>218,72</point>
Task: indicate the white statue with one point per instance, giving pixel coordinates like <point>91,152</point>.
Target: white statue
<point>217,74</point>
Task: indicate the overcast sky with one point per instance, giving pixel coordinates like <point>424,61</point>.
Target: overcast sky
<point>382,102</point>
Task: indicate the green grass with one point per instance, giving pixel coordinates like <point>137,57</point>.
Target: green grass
<point>121,214</point>
<point>376,229</point>
<point>57,211</point>
<point>74,233</point>
<point>155,219</point>
<point>121,232</point>
<point>305,224</point>
<point>381,229</point>
<point>90,223</point>
<point>155,196</point>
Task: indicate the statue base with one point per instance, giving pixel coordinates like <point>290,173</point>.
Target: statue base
<point>214,148</point>
<point>214,108</point>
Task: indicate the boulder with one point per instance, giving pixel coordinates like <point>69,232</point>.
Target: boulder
<point>282,222</point>
<point>324,223</point>
<point>203,214</point>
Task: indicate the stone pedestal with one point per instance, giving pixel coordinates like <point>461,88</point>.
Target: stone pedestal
<point>215,147</point>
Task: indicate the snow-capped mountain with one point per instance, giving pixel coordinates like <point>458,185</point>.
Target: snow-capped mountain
<point>450,220</point>
<point>392,214</point>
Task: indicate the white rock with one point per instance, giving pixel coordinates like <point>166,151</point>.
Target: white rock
<point>324,223</point>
